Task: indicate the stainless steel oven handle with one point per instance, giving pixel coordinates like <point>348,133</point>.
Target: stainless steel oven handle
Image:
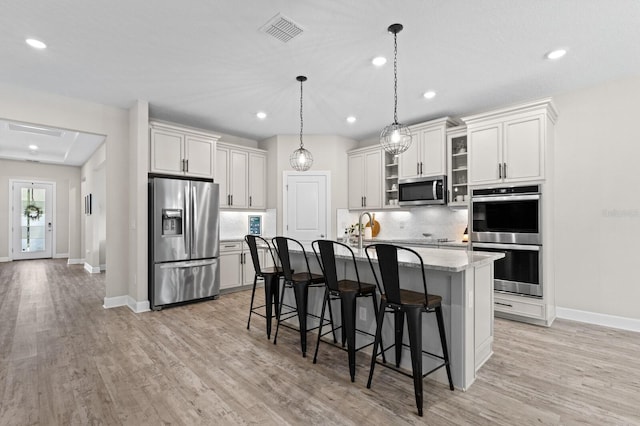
<point>506,246</point>
<point>506,198</point>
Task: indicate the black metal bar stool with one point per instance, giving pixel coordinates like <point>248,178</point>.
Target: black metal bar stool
<point>300,282</point>
<point>347,292</point>
<point>270,276</point>
<point>403,302</point>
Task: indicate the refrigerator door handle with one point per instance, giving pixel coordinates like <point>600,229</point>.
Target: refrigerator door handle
<point>189,264</point>
<point>187,218</point>
<point>194,219</point>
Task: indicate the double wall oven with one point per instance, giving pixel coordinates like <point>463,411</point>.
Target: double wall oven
<point>508,220</point>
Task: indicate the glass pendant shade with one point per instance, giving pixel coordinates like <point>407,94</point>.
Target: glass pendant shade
<point>301,159</point>
<point>395,138</point>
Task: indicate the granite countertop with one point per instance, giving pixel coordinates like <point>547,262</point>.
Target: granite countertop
<point>433,258</point>
<point>422,242</point>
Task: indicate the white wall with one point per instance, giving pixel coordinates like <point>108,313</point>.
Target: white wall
<point>597,202</point>
<point>93,182</point>
<point>67,179</point>
<point>329,154</point>
<point>58,111</point>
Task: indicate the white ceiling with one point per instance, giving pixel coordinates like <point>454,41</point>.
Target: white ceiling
<point>206,63</point>
<point>52,145</point>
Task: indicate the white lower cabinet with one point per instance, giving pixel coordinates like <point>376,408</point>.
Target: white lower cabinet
<point>236,265</point>
<point>519,305</point>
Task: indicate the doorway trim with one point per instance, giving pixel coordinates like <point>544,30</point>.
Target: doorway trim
<point>12,181</point>
<point>285,180</point>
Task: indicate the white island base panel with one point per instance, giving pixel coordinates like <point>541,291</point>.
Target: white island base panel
<point>467,304</point>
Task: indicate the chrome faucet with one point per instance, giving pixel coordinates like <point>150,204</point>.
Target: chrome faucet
<point>360,230</point>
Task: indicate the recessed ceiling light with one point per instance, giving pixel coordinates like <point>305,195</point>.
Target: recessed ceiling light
<point>36,44</point>
<point>351,119</point>
<point>379,61</point>
<point>430,94</point>
<point>261,115</point>
<point>556,54</point>
<point>33,147</point>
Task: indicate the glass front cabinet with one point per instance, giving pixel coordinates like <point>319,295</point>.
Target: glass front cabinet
<point>458,179</point>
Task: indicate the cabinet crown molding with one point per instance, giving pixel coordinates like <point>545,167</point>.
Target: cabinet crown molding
<point>545,105</point>
<point>155,124</point>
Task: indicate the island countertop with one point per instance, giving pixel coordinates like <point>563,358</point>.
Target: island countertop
<point>433,258</point>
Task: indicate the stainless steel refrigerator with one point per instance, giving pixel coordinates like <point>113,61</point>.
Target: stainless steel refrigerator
<point>183,240</point>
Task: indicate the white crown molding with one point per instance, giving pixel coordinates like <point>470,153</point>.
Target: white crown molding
<point>606,320</point>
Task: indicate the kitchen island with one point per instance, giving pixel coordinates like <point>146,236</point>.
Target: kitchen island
<point>464,280</point>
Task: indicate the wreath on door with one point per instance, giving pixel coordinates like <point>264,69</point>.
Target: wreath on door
<point>33,212</point>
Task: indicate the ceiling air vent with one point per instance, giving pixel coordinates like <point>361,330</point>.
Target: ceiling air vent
<point>282,28</point>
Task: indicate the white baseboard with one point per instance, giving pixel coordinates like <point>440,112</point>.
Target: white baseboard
<point>612,321</point>
<point>138,307</point>
<point>91,269</point>
<point>130,302</point>
<point>5,259</point>
<point>103,267</point>
<point>114,302</point>
<point>75,261</point>
<point>61,255</point>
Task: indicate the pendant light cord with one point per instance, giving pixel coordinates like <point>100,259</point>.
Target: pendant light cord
<point>301,120</point>
<point>395,78</point>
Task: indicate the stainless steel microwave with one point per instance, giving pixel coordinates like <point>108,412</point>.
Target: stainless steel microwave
<point>422,191</point>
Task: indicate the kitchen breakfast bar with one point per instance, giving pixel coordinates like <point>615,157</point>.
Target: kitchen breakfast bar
<point>464,280</point>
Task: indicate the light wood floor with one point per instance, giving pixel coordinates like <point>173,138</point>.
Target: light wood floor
<point>66,360</point>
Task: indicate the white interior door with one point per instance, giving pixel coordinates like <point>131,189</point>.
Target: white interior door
<point>306,205</point>
<point>32,220</point>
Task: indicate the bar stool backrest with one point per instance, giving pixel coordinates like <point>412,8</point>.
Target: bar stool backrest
<point>387,255</point>
<point>282,248</point>
<point>253,249</point>
<point>327,261</point>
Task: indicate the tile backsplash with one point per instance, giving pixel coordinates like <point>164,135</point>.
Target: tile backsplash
<point>440,221</point>
<point>235,224</point>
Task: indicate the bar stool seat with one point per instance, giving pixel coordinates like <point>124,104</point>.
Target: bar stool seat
<point>346,291</point>
<point>271,276</point>
<point>300,282</point>
<point>412,304</point>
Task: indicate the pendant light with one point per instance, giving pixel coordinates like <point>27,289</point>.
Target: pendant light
<point>301,159</point>
<point>396,137</point>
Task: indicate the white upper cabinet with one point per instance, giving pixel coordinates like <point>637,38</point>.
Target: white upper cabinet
<point>427,155</point>
<point>181,151</point>
<point>365,178</point>
<point>241,173</point>
<point>510,145</point>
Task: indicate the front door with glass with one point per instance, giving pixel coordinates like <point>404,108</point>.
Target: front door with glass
<point>32,220</point>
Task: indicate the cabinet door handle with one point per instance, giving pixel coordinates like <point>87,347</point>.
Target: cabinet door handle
<point>231,199</point>
<point>499,170</point>
<point>186,165</point>
<point>504,304</point>
<point>250,201</point>
<point>421,167</point>
<point>417,168</point>
<point>504,170</point>
<point>365,201</point>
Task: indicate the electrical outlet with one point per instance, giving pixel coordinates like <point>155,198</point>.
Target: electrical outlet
<point>362,313</point>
